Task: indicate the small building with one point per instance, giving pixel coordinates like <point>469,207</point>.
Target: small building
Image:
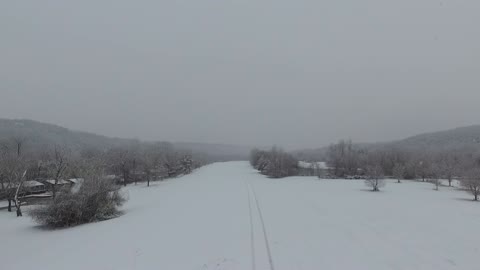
<point>28,188</point>
<point>60,184</point>
<point>33,187</point>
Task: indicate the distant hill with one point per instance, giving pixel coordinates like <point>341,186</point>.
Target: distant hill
<point>37,135</point>
<point>463,138</point>
<point>458,138</point>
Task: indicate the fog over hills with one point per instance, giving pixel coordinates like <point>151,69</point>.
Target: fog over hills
<point>452,139</point>
<point>37,134</point>
<point>40,134</point>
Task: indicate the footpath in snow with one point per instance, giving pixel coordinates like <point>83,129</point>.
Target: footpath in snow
<point>227,216</point>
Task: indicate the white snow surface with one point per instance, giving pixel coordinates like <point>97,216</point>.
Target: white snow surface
<point>202,222</point>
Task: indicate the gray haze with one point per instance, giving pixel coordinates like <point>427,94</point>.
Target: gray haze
<point>294,73</point>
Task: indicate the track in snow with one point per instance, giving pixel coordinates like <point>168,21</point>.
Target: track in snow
<point>251,190</point>
<point>252,233</point>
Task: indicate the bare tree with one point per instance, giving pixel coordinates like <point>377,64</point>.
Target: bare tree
<point>58,165</point>
<point>19,141</point>
<point>343,157</point>
<point>259,159</point>
<point>151,163</point>
<point>158,158</point>
<point>375,177</point>
<point>120,163</point>
<point>167,159</point>
<point>450,163</point>
<point>171,162</point>
<point>398,171</point>
<point>435,174</point>
<point>147,165</point>
<point>471,182</point>
<point>4,153</point>
<point>423,167</point>
<point>18,203</point>
<point>134,161</point>
<point>12,167</point>
<point>186,164</point>
<point>255,156</point>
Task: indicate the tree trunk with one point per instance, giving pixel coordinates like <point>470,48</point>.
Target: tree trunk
<point>9,205</point>
<point>449,182</point>
<point>135,171</point>
<point>17,193</point>
<point>124,179</point>
<point>476,196</point>
<point>54,191</point>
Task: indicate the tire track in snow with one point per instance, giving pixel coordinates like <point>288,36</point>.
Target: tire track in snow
<point>252,234</point>
<point>265,235</point>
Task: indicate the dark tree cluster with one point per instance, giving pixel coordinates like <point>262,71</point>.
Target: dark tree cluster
<point>275,163</point>
<point>149,162</point>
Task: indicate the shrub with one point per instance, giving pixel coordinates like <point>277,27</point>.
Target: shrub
<point>275,163</point>
<point>95,200</point>
<point>375,177</point>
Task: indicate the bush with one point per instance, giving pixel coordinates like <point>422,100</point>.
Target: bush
<point>95,200</point>
<point>375,177</point>
<point>275,163</point>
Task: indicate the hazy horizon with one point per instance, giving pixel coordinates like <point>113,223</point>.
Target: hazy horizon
<point>299,74</point>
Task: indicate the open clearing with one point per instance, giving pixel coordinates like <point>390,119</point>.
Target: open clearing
<point>212,219</point>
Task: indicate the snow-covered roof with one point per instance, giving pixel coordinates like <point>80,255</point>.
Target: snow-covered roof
<point>310,165</point>
<point>76,180</point>
<point>32,183</point>
<point>59,182</point>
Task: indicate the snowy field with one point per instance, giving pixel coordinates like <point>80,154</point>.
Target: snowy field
<point>212,220</point>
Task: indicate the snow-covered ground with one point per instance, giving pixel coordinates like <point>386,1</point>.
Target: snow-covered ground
<point>212,220</point>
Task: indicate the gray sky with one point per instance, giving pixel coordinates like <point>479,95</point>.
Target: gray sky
<point>294,73</point>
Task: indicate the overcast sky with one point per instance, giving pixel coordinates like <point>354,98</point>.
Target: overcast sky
<point>293,73</point>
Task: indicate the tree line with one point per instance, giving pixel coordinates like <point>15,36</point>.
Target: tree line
<point>102,171</point>
<point>376,163</point>
<point>347,159</point>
